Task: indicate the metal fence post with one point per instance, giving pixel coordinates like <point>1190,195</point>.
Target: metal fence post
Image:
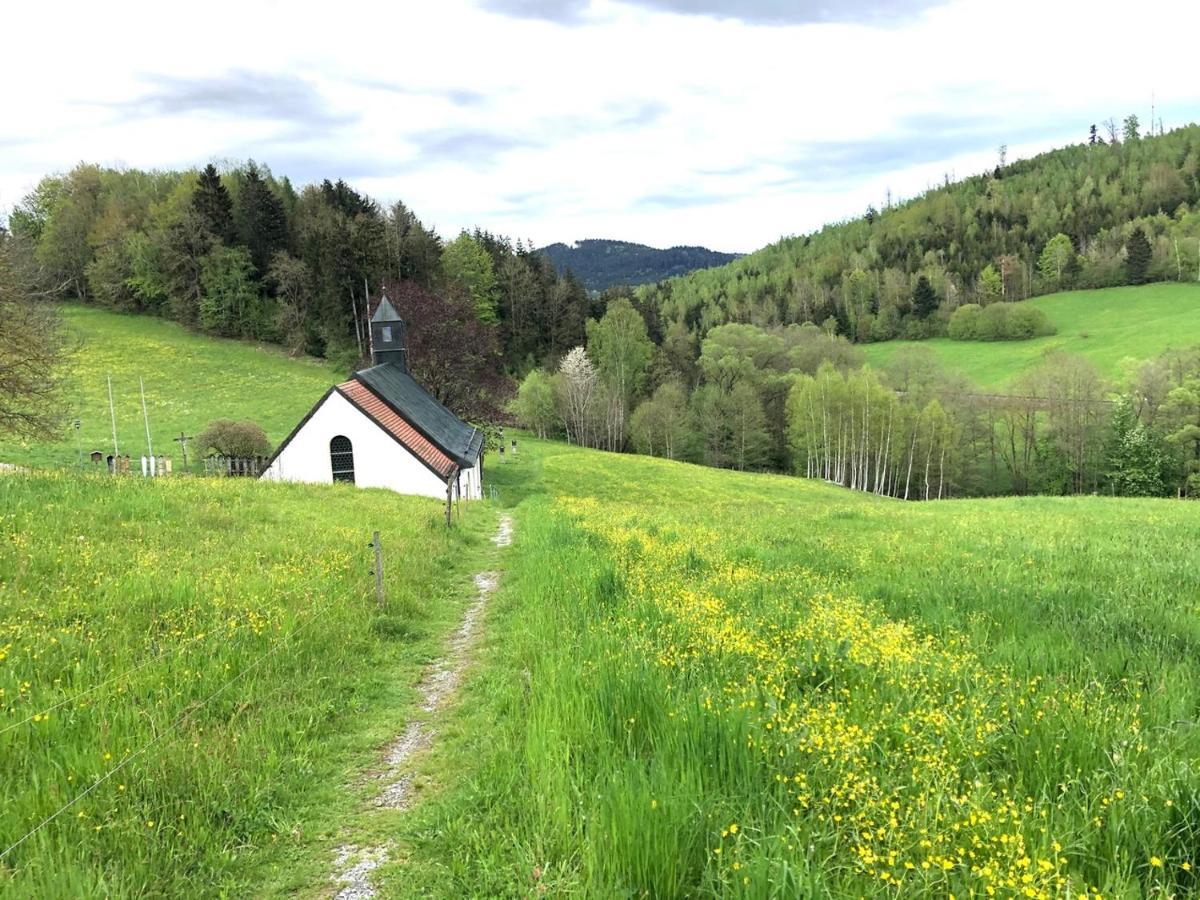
<point>378,571</point>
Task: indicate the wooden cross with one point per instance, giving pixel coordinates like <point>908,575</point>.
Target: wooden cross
<point>182,440</point>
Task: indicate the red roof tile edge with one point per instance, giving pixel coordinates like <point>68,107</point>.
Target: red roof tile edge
<point>365,400</point>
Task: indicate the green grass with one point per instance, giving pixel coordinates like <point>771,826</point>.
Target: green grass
<point>190,379</point>
<point>994,693</point>
<point>220,640</point>
<point>1106,326</point>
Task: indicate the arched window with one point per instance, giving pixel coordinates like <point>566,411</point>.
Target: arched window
<point>341,459</point>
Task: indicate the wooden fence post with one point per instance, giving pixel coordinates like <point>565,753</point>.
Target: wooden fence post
<point>378,571</point>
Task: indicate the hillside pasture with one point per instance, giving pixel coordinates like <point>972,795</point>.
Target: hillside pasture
<point>190,379</point>
<point>703,683</point>
<point>1106,326</point>
<point>190,669</point>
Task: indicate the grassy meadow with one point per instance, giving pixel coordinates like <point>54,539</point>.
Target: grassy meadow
<point>1106,326</point>
<point>203,663</point>
<point>190,379</point>
<point>703,683</point>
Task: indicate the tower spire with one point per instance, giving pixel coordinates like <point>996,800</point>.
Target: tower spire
<point>387,336</point>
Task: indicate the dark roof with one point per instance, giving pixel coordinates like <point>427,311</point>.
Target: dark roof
<point>385,312</point>
<point>446,431</point>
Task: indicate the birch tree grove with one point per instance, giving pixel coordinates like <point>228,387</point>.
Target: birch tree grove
<point>853,430</point>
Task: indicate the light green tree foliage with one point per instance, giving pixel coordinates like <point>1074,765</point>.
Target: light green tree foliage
<point>64,249</point>
<point>467,266</point>
<point>535,404</point>
<point>808,346</point>
<point>1056,259</point>
<point>964,323</point>
<point>998,322</point>
<point>619,344</point>
<point>859,290</point>
<point>749,440</point>
<point>231,302</point>
<point>292,283</point>
<point>679,348</point>
<point>738,352</point>
<point>991,285</point>
<point>1180,415</point>
<point>1137,460</point>
<point>711,412</point>
<point>660,425</point>
<point>853,429</point>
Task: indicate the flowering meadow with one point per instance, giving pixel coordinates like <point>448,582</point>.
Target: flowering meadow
<point>184,665</point>
<point>703,683</point>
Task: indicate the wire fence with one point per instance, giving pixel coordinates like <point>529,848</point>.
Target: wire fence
<point>171,729</point>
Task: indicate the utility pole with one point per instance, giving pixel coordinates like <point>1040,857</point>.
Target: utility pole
<point>113,415</point>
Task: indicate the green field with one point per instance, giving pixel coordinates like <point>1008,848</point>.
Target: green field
<point>209,654</point>
<point>693,682</point>
<point>702,683</point>
<point>1106,326</point>
<point>190,380</point>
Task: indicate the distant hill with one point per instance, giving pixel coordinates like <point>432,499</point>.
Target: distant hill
<point>979,240</point>
<point>600,264</point>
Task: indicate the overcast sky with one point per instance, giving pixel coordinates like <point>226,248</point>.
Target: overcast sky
<point>661,121</point>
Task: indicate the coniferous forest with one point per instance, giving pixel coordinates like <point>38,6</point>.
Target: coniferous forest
<point>752,365</point>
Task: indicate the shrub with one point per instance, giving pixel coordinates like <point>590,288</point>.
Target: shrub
<point>229,438</point>
<point>964,324</point>
<point>999,322</point>
<point>993,323</point>
<point>1026,322</point>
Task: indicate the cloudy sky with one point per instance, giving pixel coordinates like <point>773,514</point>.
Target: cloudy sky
<point>726,124</point>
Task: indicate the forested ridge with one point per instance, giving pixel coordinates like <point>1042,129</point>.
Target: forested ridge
<point>241,253</point>
<point>601,264</point>
<point>1060,220</point>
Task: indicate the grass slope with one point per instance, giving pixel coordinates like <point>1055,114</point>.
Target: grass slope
<point>1106,326</point>
<point>190,379</point>
<point>216,646</point>
<point>704,683</point>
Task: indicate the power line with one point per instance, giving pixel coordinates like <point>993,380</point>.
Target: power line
<point>159,737</point>
<point>169,651</point>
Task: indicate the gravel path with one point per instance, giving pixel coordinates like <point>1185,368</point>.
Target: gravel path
<point>355,864</point>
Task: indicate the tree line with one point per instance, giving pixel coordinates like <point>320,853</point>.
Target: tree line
<point>238,252</point>
<point>798,398</point>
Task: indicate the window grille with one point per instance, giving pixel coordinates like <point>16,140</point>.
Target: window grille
<point>341,459</point>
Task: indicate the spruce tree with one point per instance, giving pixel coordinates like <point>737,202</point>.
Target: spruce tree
<point>1137,257</point>
<point>261,221</point>
<point>924,301</point>
<point>211,201</point>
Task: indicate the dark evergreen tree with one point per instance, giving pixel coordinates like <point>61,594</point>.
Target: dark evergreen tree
<point>1092,135</point>
<point>211,201</point>
<point>261,222</point>
<point>924,300</point>
<point>1137,257</point>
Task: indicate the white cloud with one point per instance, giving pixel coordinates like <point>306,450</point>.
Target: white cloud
<point>614,119</point>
